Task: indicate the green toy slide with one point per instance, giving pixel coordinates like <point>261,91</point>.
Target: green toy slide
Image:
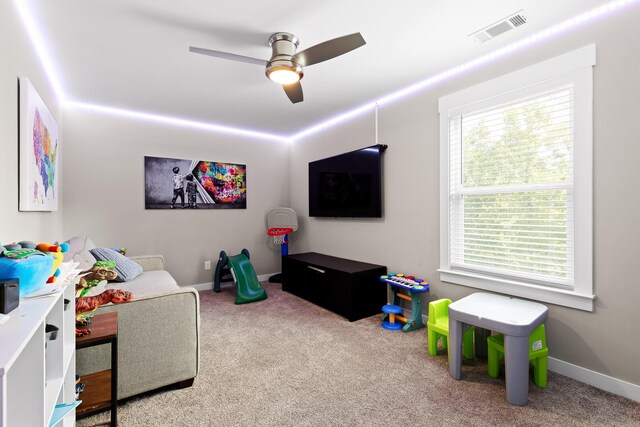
<point>249,288</point>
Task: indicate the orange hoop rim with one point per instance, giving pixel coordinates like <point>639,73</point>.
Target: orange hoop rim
<point>278,231</point>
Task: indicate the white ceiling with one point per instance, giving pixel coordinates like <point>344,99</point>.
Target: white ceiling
<point>134,54</point>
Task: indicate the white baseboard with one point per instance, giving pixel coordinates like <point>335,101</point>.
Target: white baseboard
<point>265,277</point>
<point>596,379</point>
<point>587,376</point>
<point>209,285</point>
<point>201,286</point>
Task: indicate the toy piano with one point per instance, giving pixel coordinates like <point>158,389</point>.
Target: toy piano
<point>413,288</point>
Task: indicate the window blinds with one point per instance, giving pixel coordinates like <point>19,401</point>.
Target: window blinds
<point>511,189</point>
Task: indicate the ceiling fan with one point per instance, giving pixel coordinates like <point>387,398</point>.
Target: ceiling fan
<point>285,65</point>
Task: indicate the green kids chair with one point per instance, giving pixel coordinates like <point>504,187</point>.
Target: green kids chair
<point>538,355</point>
<point>438,327</point>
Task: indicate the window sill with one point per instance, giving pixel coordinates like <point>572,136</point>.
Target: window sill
<point>519,289</point>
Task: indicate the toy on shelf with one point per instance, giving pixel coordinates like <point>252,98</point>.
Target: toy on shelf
<point>241,271</point>
<point>413,287</point>
<point>24,262</point>
<point>56,251</point>
<point>19,250</point>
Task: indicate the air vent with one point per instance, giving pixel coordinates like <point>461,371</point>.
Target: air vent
<point>518,20</point>
<point>500,27</point>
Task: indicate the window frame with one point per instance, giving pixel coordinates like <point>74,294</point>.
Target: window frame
<point>575,68</point>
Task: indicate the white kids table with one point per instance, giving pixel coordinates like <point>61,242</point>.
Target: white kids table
<point>515,318</point>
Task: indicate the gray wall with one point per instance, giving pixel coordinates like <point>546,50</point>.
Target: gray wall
<point>18,58</point>
<point>104,193</point>
<point>407,238</point>
<point>103,188</point>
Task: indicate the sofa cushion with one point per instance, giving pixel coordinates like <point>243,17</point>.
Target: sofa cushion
<point>126,268</point>
<point>79,248</point>
<point>151,283</point>
<point>97,289</point>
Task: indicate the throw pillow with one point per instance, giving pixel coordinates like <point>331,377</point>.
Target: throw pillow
<point>126,268</point>
<point>79,248</point>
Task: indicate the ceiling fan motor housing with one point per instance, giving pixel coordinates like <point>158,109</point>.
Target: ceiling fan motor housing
<point>283,46</point>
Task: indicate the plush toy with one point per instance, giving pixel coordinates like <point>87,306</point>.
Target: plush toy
<point>12,246</point>
<point>26,244</point>
<point>57,252</point>
<point>23,262</point>
<point>86,305</point>
<point>20,246</point>
<point>101,270</point>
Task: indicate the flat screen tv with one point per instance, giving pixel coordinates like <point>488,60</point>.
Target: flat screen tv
<point>347,185</point>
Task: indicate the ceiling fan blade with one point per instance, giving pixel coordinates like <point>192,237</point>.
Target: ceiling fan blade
<point>294,92</point>
<point>330,49</point>
<point>230,56</point>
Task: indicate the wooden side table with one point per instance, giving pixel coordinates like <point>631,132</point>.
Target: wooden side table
<point>101,388</point>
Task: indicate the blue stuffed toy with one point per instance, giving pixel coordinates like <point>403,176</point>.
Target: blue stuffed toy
<point>23,262</point>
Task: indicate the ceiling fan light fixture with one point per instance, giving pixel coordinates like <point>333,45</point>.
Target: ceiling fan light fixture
<point>282,68</point>
<point>284,75</point>
<point>286,63</point>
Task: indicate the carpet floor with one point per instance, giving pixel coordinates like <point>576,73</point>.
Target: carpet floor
<point>286,362</point>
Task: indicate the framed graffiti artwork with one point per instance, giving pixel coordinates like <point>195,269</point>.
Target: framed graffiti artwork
<point>194,184</point>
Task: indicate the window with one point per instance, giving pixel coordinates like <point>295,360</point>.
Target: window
<point>516,192</point>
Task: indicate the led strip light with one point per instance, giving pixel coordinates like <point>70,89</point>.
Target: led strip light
<point>564,26</point>
<point>569,24</point>
<point>175,121</point>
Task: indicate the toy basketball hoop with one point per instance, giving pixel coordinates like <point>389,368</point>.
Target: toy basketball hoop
<point>279,234</point>
<point>281,222</point>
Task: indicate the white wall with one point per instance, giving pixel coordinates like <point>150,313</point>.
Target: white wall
<point>407,238</point>
<point>104,193</point>
<point>18,58</point>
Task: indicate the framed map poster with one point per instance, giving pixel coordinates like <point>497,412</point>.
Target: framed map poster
<point>39,152</point>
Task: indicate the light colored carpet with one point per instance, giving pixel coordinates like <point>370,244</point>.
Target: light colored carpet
<point>286,362</point>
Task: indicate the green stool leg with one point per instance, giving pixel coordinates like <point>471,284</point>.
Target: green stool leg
<point>445,342</point>
<point>538,358</point>
<point>493,361</point>
<point>467,344</point>
<point>540,371</point>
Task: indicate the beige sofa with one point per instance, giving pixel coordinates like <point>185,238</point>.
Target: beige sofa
<point>158,333</point>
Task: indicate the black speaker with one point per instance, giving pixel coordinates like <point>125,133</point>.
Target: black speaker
<point>9,295</point>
